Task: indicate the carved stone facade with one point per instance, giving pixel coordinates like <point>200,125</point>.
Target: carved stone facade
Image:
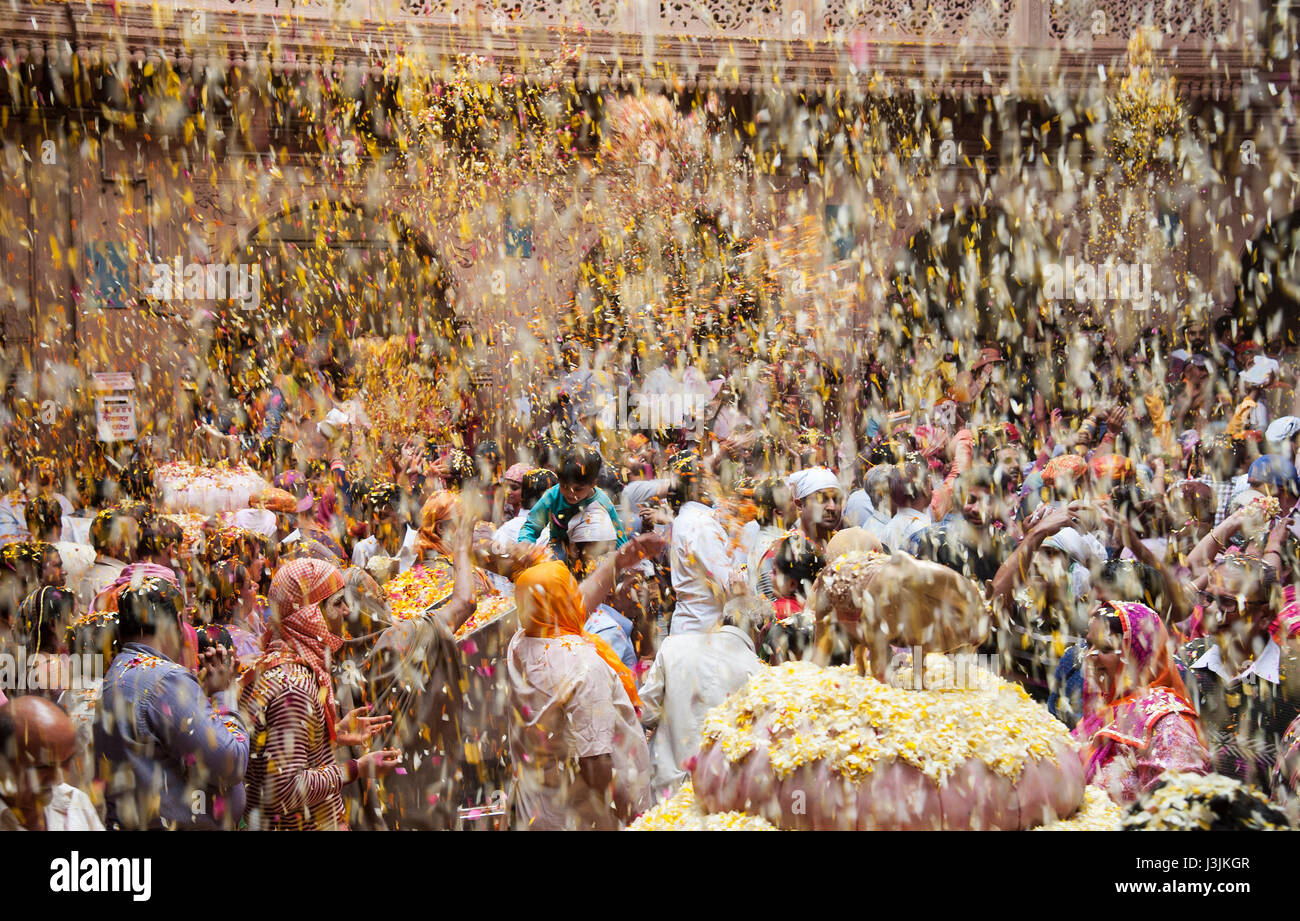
<point>62,212</point>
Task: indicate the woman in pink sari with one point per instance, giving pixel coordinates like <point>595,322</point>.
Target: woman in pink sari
<point>1137,720</point>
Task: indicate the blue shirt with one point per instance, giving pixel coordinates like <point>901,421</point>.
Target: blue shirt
<point>171,754</point>
<point>615,629</point>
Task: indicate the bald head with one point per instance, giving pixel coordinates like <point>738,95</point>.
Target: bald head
<point>43,735</point>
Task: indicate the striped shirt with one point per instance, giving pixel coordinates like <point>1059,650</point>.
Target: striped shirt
<point>293,780</point>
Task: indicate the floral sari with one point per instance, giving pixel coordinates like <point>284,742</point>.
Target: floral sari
<point>1133,739</point>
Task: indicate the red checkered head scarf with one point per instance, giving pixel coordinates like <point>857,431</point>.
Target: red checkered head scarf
<point>297,630</point>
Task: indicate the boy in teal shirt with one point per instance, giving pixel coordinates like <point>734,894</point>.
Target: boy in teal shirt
<point>579,467</point>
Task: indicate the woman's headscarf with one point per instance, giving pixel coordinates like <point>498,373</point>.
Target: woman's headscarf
<point>1131,719</point>
<point>438,508</point>
<point>297,631</point>
<point>550,605</point>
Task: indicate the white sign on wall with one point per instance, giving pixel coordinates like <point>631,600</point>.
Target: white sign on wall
<point>115,406</point>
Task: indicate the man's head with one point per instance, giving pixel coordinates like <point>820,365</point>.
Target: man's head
<point>1238,601</point>
<point>590,536</point>
<point>44,518</point>
<point>52,571</point>
<point>580,466</point>
<point>160,541</point>
<point>150,612</point>
<point>975,496</point>
<point>686,476</point>
<point>1274,475</point>
<point>487,461</point>
<point>819,501</point>
<point>795,567</point>
<point>534,485</point>
<point>612,482</point>
<point>1008,469</point>
<point>912,489</point>
<point>880,484</point>
<point>461,469</point>
<point>1130,580</point>
<point>115,534</point>
<point>821,512</point>
<point>38,751</point>
<point>43,618</point>
<point>1222,455</point>
<point>772,499</point>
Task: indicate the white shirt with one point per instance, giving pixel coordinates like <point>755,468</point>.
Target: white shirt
<point>702,568</point>
<point>905,523</point>
<point>1266,665</point>
<point>69,809</point>
<point>99,577</point>
<point>363,550</point>
<point>635,495</point>
<point>691,674</point>
<point>757,547</point>
<point>857,509</point>
<point>576,708</point>
<point>508,533</point>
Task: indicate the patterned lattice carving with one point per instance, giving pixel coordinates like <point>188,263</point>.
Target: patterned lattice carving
<point>1116,20</point>
<point>443,9</point>
<point>736,16</point>
<point>923,18</point>
<point>587,13</point>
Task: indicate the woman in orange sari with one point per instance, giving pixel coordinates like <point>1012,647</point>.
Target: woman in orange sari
<point>1138,721</point>
<point>580,755</point>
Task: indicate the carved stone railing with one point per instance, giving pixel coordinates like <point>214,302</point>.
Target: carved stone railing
<point>1075,24</point>
<point>972,46</point>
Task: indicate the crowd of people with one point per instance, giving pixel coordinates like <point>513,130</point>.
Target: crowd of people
<point>1138,557</point>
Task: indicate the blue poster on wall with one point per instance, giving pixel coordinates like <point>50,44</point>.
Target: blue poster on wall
<point>519,239</point>
<point>108,277</point>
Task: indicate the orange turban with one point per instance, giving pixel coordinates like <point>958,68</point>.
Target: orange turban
<point>1064,466</point>
<point>1114,467</point>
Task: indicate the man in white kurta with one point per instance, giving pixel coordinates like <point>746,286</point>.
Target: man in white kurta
<point>692,674</point>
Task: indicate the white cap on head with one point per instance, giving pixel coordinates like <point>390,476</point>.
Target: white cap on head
<point>1259,371</point>
<point>592,525</point>
<point>334,423</point>
<point>256,519</point>
<point>803,483</point>
<point>1282,428</point>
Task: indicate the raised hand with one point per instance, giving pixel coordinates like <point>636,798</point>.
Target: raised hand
<point>357,729</point>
